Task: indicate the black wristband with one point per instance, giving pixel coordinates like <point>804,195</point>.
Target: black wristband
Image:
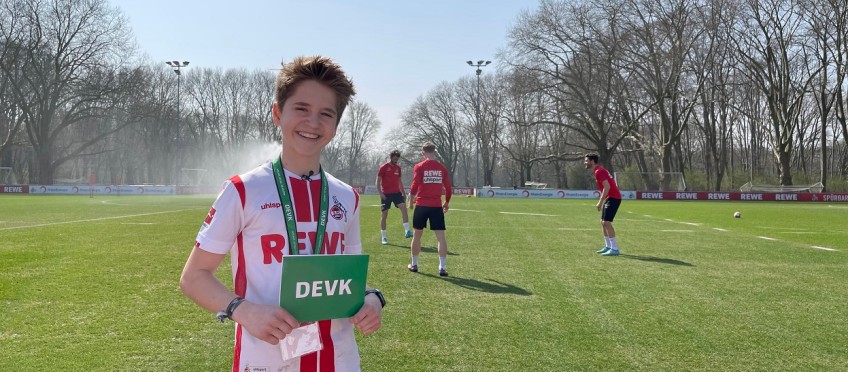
<point>379,296</point>
<point>228,313</point>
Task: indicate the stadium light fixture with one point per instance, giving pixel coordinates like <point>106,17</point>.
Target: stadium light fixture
<point>176,66</point>
<point>479,65</point>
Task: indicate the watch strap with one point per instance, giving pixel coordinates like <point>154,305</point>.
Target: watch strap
<point>379,296</point>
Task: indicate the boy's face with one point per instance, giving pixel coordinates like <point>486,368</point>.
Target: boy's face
<point>307,119</point>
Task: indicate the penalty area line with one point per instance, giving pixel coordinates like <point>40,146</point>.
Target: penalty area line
<point>96,219</point>
<point>530,214</point>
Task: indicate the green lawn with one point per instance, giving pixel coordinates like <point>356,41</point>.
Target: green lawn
<point>91,284</point>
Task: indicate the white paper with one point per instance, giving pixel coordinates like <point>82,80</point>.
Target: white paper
<point>301,341</point>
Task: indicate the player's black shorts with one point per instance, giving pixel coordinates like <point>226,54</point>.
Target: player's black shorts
<point>435,214</point>
<point>610,209</point>
<point>396,198</point>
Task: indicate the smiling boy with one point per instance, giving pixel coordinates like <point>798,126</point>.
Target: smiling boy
<point>246,221</point>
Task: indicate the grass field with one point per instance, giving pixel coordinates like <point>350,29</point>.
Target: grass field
<point>91,284</point>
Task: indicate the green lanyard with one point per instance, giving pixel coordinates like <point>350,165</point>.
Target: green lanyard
<point>288,210</point>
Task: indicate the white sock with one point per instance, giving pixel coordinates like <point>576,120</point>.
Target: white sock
<point>406,226</point>
<point>613,244</point>
<point>443,261</point>
<point>414,260</point>
<point>607,241</point>
<point>384,233</point>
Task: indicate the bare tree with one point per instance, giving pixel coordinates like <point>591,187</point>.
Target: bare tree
<point>773,52</point>
<point>74,51</point>
<point>356,131</point>
<point>435,117</point>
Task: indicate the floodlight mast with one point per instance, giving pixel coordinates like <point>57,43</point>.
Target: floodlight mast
<point>176,66</point>
<point>481,63</point>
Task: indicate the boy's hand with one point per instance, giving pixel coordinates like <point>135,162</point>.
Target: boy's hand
<point>269,323</point>
<point>369,317</point>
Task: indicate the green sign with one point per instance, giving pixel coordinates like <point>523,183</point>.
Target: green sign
<point>318,287</point>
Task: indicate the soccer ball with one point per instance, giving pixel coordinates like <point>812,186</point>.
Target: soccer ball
<point>737,214</point>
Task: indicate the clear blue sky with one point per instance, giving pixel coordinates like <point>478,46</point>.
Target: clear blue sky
<point>394,50</point>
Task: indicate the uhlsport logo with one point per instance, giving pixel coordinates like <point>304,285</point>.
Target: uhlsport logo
<point>271,205</point>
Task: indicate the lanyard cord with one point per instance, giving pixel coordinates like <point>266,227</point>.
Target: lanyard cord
<point>288,209</point>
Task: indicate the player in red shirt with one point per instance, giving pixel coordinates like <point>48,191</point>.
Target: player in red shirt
<point>429,179</point>
<point>390,186</point>
<point>610,200</point>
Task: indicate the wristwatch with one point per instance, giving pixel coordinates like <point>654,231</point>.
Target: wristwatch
<point>379,295</point>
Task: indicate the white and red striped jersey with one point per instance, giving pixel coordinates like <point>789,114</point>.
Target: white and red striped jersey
<point>247,221</point>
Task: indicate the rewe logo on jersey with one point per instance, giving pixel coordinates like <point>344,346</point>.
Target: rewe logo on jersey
<point>273,245</point>
<point>432,176</point>
<point>271,205</point>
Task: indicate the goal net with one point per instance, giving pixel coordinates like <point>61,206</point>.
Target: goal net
<point>192,176</point>
<point>7,176</point>
<point>814,188</point>
<point>650,181</point>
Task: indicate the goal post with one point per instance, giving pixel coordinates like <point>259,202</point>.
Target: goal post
<point>7,176</point>
<point>192,176</point>
<point>814,188</point>
<point>650,181</point>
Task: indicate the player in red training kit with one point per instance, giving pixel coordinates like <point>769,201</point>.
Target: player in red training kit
<point>610,200</point>
<point>390,187</point>
<point>429,178</point>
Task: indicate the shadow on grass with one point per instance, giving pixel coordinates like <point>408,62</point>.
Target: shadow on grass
<point>656,259</point>
<point>423,249</point>
<point>491,286</point>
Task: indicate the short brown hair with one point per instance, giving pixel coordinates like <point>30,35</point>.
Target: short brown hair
<point>318,68</point>
<point>428,147</point>
<point>593,157</point>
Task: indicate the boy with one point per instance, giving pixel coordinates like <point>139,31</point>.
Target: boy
<point>247,221</point>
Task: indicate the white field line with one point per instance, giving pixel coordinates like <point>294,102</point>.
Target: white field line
<point>692,223</point>
<point>767,238</point>
<point>97,219</point>
<point>138,223</point>
<point>461,210</point>
<point>719,229</point>
<point>824,248</point>
<point>530,214</point>
<point>112,202</point>
<point>687,231</point>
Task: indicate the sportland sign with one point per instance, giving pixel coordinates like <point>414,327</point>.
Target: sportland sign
<point>487,192</point>
<point>103,190</point>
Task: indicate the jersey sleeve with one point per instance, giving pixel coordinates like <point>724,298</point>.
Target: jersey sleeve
<point>223,223</point>
<point>447,183</point>
<point>417,178</point>
<point>352,239</point>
